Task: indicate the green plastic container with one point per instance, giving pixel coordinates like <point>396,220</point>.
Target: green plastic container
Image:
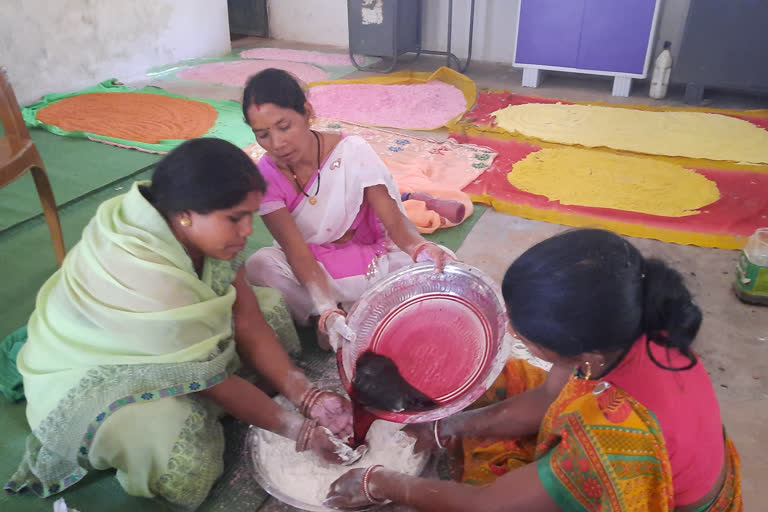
<point>751,283</point>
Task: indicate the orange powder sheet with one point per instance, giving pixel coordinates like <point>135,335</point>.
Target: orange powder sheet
<point>148,118</point>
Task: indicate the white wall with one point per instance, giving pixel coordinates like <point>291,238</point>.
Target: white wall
<point>309,21</point>
<point>325,22</point>
<point>66,45</point>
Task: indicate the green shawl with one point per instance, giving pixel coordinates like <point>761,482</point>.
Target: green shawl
<point>125,320</point>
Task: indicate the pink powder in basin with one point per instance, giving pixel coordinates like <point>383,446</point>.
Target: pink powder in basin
<point>413,106</point>
<point>318,58</point>
<point>237,72</point>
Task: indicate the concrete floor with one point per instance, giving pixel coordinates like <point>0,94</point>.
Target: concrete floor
<point>733,342</point>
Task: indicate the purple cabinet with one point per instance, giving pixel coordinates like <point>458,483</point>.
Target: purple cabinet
<point>606,37</point>
<point>549,32</point>
<point>615,35</point>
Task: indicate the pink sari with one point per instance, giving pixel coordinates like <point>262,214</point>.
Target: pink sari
<point>343,177</point>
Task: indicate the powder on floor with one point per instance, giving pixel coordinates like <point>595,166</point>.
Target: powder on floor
<point>237,72</point>
<point>586,177</point>
<point>317,58</point>
<point>424,106</point>
<point>687,134</point>
<point>142,117</point>
<point>307,478</point>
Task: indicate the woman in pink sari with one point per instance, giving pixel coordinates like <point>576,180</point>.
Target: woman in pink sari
<point>331,205</point>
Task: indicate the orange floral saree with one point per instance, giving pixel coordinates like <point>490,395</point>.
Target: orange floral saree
<point>597,449</point>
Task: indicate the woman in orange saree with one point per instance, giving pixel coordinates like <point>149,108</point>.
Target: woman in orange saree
<point>625,420</point>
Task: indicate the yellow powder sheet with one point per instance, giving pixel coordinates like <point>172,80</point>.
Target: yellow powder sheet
<point>598,179</point>
<point>686,134</point>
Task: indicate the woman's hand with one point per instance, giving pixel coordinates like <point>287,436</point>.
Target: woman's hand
<point>333,412</point>
<point>322,443</point>
<point>429,251</point>
<point>347,491</point>
<point>424,433</point>
<point>332,325</point>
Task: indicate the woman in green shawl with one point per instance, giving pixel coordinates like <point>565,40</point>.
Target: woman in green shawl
<point>133,344</point>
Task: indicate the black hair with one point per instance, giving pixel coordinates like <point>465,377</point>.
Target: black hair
<point>203,175</point>
<point>274,86</point>
<point>590,290</point>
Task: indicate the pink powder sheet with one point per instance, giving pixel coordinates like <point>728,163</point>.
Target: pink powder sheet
<point>413,106</point>
<point>237,72</point>
<point>317,58</point>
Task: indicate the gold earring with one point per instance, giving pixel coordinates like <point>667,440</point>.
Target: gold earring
<point>186,222</point>
<point>589,369</point>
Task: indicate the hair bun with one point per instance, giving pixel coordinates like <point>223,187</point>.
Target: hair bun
<point>670,317</point>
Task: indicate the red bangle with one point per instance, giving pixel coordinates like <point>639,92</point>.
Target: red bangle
<point>324,318</point>
<point>305,434</point>
<point>419,247</point>
<point>308,399</point>
<point>366,483</point>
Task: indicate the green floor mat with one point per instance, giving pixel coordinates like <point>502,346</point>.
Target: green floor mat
<point>453,237</point>
<point>75,167</point>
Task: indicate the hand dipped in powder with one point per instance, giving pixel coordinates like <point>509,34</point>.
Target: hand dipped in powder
<point>326,446</point>
<point>347,491</point>
<point>333,412</point>
<point>424,434</point>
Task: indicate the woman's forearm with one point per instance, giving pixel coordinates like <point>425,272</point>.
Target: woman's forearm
<point>267,356</point>
<point>241,399</point>
<point>258,345</point>
<point>400,230</point>
<point>305,267</point>
<point>518,416</point>
<point>426,495</point>
<point>404,234</point>
<point>317,283</point>
<point>519,490</point>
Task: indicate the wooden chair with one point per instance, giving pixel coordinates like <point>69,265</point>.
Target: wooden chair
<point>19,154</point>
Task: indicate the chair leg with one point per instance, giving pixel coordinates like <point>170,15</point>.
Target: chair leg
<point>50,211</point>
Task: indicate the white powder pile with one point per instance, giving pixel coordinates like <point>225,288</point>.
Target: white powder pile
<point>307,478</point>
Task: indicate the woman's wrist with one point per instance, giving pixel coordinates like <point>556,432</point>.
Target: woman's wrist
<point>305,435</point>
<point>290,424</point>
<point>436,432</point>
<point>322,323</point>
<point>416,249</point>
<point>295,387</point>
<point>376,483</point>
<point>308,400</point>
<point>446,430</point>
<point>369,488</point>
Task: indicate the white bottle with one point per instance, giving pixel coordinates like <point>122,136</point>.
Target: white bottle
<point>661,71</point>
